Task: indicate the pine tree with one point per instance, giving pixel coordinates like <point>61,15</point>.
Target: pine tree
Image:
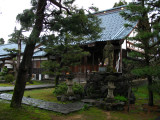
<point>1,41</point>
<point>66,57</point>
<point>54,18</point>
<point>120,3</point>
<point>72,31</point>
<point>147,38</point>
<point>17,36</point>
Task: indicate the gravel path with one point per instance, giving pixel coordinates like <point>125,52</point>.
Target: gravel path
<point>28,87</point>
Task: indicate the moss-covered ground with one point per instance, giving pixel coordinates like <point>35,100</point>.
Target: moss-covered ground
<point>31,113</point>
<point>34,83</point>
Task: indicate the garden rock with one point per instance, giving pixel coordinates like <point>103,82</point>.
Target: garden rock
<point>97,85</point>
<point>63,98</point>
<point>56,107</point>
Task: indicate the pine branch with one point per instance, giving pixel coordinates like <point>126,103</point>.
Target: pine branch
<point>58,4</point>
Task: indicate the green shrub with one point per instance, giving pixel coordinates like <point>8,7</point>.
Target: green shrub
<point>120,98</point>
<point>78,89</point>
<point>156,87</point>
<point>9,78</point>
<point>85,107</point>
<point>60,89</point>
<point>4,71</point>
<point>1,73</point>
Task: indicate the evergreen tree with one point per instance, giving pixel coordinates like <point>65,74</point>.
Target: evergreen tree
<point>1,41</point>
<point>54,18</point>
<point>72,31</point>
<point>17,36</point>
<point>147,38</point>
<point>66,56</point>
<point>120,3</point>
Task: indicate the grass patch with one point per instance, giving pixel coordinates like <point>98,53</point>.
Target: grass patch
<point>31,113</point>
<point>133,116</point>
<point>141,94</point>
<point>43,94</point>
<point>6,84</point>
<point>94,114</point>
<point>34,83</point>
<point>24,113</point>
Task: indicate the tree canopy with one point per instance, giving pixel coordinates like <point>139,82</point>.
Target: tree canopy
<point>120,3</point>
<point>17,36</point>
<point>146,38</point>
<point>59,22</point>
<point>1,41</point>
<point>71,31</point>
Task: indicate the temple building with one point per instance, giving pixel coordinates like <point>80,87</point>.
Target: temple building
<point>106,53</point>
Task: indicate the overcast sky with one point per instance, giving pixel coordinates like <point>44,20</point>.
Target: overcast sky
<point>10,8</point>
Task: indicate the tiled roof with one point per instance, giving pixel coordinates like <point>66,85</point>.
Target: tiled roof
<point>39,53</point>
<point>113,24</point>
<point>5,54</point>
<point>1,57</point>
<point>10,46</point>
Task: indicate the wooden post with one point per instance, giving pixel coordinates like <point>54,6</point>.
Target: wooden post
<point>93,62</point>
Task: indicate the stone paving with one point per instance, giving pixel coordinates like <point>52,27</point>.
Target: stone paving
<point>28,87</point>
<point>56,107</point>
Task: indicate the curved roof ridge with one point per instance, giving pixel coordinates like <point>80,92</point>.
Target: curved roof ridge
<point>102,11</point>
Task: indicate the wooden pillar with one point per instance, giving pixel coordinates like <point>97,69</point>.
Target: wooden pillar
<point>85,66</point>
<point>93,62</point>
<point>120,59</point>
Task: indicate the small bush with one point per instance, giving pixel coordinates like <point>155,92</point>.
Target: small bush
<point>60,89</point>
<point>78,89</point>
<point>4,71</point>
<point>1,73</point>
<point>85,107</point>
<point>9,78</point>
<point>120,98</point>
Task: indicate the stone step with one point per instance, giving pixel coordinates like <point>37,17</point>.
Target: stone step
<point>89,101</point>
<point>56,107</point>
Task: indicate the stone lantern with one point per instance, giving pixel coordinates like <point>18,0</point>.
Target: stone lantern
<point>111,79</point>
<point>111,88</point>
<point>70,84</point>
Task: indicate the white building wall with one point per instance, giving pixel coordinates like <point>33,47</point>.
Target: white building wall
<point>124,45</point>
<point>8,65</point>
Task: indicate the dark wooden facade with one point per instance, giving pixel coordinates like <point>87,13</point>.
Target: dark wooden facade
<point>95,59</point>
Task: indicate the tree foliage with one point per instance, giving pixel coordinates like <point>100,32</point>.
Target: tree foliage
<point>147,38</point>
<point>59,22</point>
<point>1,41</point>
<point>120,3</point>
<point>17,36</point>
<point>69,33</point>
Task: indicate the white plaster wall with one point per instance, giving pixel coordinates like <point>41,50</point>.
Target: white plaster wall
<point>8,65</point>
<point>42,58</point>
<point>124,45</point>
<point>8,61</point>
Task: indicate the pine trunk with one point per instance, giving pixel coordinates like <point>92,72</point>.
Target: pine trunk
<point>22,76</point>
<point>150,101</point>
<point>57,80</point>
<point>27,57</point>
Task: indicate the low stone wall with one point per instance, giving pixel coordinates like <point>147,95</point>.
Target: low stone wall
<point>97,85</point>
